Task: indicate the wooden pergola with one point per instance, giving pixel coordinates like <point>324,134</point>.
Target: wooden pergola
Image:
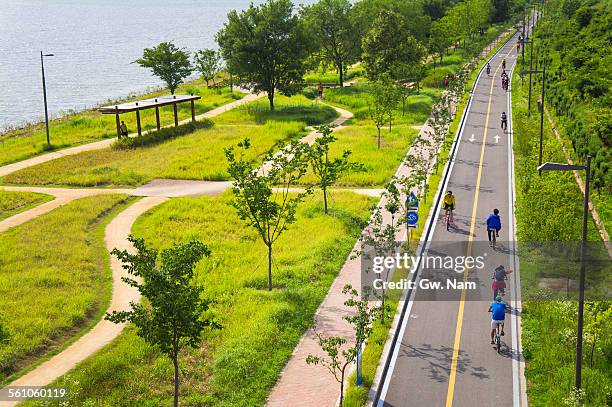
<point>151,103</point>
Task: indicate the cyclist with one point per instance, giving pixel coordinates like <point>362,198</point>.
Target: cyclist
<point>488,68</point>
<point>493,225</point>
<point>504,63</point>
<point>518,46</point>
<point>500,275</point>
<point>504,121</point>
<point>498,316</point>
<point>448,204</point>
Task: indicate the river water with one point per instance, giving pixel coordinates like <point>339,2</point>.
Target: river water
<point>94,43</point>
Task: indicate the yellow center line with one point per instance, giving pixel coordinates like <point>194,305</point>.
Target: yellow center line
<point>453,370</point>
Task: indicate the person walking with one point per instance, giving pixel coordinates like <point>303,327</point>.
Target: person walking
<point>504,121</point>
<point>320,90</point>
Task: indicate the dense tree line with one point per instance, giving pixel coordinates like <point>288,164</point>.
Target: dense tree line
<point>576,40</point>
<point>269,47</point>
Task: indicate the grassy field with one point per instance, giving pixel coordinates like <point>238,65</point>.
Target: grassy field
<point>294,108</point>
<point>53,284</point>
<point>380,164</point>
<point>199,155</point>
<point>12,202</point>
<point>238,365</point>
<point>549,326</point>
<point>88,126</point>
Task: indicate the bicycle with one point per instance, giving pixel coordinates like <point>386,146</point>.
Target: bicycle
<point>498,337</point>
<point>447,218</point>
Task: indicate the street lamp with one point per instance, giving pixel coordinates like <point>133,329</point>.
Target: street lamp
<point>42,67</point>
<point>585,213</point>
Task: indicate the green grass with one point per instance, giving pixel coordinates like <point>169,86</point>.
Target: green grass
<point>199,155</point>
<point>88,126</point>
<point>54,278</point>
<point>554,203</point>
<point>13,202</point>
<point>380,164</point>
<point>357,98</point>
<point>295,108</point>
<point>238,365</point>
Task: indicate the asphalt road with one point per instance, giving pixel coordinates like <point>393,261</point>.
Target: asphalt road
<point>444,356</point>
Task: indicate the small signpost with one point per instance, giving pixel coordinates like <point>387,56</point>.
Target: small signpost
<point>412,216</point>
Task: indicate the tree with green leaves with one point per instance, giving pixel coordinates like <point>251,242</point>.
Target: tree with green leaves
<point>266,46</point>
<point>167,62</point>
<point>440,37</point>
<point>325,170</point>
<point>173,314</point>
<point>330,23</point>
<point>383,99</point>
<point>338,359</point>
<point>208,62</point>
<point>262,197</point>
<point>388,49</point>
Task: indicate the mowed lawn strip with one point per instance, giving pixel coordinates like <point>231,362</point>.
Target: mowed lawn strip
<point>90,125</point>
<point>294,108</point>
<point>14,202</point>
<point>198,155</point>
<point>54,278</point>
<point>238,365</point>
<point>379,164</point>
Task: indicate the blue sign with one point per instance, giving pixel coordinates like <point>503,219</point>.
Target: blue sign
<point>412,218</point>
<point>412,202</point>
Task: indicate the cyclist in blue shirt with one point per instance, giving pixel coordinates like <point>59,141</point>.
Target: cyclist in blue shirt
<point>493,226</point>
<point>498,316</point>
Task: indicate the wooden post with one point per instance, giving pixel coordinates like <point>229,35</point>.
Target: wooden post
<point>175,113</point>
<point>157,116</point>
<point>138,121</point>
<point>193,111</point>
<point>117,122</point>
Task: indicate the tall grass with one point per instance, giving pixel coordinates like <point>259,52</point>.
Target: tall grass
<point>238,365</point>
<point>13,202</point>
<point>90,125</point>
<point>550,208</point>
<point>54,278</point>
<point>199,155</point>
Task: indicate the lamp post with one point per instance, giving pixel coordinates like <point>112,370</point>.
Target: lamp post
<point>585,213</point>
<point>42,67</point>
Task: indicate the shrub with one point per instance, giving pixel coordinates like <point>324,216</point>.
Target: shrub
<point>167,133</point>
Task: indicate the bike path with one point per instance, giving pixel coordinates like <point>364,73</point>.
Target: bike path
<point>444,356</point>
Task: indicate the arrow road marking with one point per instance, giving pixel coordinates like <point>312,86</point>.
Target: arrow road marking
<point>496,138</point>
<point>472,138</point>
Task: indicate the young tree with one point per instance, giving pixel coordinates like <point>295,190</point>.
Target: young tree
<point>169,63</point>
<point>172,315</point>
<point>208,63</point>
<point>387,48</point>
<point>339,359</point>
<point>262,197</point>
<point>384,98</point>
<point>328,172</point>
<point>266,46</point>
<point>329,22</point>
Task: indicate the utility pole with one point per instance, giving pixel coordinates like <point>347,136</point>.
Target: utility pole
<point>542,115</point>
<point>530,71</point>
